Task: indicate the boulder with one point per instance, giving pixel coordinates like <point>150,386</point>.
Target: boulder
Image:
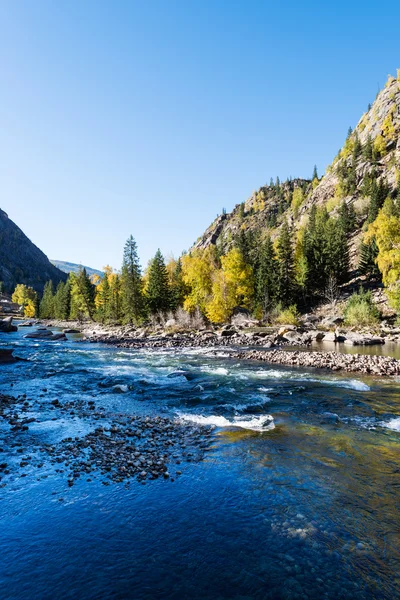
<point>6,356</point>
<point>45,334</point>
<point>332,321</point>
<point>353,339</point>
<point>227,332</point>
<point>6,325</point>
<point>71,331</point>
<point>330,336</point>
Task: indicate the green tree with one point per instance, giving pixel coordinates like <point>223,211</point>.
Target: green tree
<point>286,280</point>
<point>131,284</point>
<point>62,300</point>
<point>158,291</point>
<point>367,260</point>
<point>178,287</point>
<point>46,308</point>
<point>82,296</point>
<point>347,217</point>
<point>266,277</point>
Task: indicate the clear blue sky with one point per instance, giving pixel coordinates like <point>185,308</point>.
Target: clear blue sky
<point>147,117</point>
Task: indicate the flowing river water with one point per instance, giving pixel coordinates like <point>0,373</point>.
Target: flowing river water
<point>297,495</point>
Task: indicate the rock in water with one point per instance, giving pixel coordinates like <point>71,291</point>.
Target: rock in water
<point>6,325</point>
<point>6,356</point>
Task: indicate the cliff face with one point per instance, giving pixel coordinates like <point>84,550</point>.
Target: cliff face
<point>21,261</point>
<point>370,153</point>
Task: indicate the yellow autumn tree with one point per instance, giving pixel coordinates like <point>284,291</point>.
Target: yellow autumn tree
<point>198,268</point>
<point>232,286</point>
<point>386,231</point>
<point>26,297</point>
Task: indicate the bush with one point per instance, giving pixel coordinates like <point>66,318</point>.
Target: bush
<point>285,316</point>
<point>361,310</point>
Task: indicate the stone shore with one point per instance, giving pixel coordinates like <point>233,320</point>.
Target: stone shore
<point>334,361</point>
<point>118,448</point>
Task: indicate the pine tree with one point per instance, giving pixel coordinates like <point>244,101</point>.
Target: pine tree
<point>347,217</point>
<point>46,308</point>
<point>357,148</point>
<point>266,277</point>
<point>62,300</point>
<point>158,290</point>
<point>285,266</point>
<point>315,173</point>
<point>337,251</point>
<point>379,192</point>
<point>178,287</point>
<point>368,149</point>
<point>103,299</point>
<point>367,261</point>
<point>82,295</point>
<point>131,284</point>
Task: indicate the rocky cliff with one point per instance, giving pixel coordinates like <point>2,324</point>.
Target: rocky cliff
<point>371,153</point>
<point>21,261</point>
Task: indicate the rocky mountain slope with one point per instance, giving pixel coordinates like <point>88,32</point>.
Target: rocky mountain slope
<point>371,153</point>
<point>68,267</point>
<point>21,261</point>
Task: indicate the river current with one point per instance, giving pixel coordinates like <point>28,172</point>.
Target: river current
<point>297,495</point>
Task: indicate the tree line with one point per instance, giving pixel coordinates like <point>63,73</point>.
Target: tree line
<point>257,274</point>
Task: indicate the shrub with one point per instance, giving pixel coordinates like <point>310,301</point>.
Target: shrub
<point>361,310</point>
<point>285,316</point>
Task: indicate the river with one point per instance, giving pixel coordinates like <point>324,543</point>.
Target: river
<point>297,495</point>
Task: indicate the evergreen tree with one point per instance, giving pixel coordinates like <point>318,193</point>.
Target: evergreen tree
<point>103,299</point>
<point>82,296</point>
<point>62,300</point>
<point>315,173</point>
<point>285,266</point>
<point>347,217</point>
<point>115,311</point>
<point>178,286</point>
<point>357,148</point>
<point>158,290</point>
<point>367,261</point>
<point>131,284</point>
<point>46,307</point>
<point>379,192</point>
<point>368,149</point>
<point>266,277</point>
<point>336,252</point>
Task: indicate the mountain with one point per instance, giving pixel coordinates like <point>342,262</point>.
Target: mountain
<point>68,267</point>
<point>21,261</point>
<point>369,157</point>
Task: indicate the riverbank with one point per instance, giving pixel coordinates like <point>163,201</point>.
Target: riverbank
<point>333,361</point>
<point>270,340</point>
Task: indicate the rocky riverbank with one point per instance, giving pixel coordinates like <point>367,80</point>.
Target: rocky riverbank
<point>334,361</point>
<point>117,448</point>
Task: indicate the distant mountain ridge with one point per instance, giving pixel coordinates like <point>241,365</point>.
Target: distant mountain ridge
<point>21,261</point>
<point>68,267</point>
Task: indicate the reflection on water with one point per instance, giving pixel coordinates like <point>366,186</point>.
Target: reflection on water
<point>298,501</point>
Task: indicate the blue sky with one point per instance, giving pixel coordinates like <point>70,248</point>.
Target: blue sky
<point>149,117</point>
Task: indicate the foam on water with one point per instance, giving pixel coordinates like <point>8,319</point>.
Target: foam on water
<point>393,424</point>
<point>349,384</point>
<point>215,371</point>
<point>255,423</point>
